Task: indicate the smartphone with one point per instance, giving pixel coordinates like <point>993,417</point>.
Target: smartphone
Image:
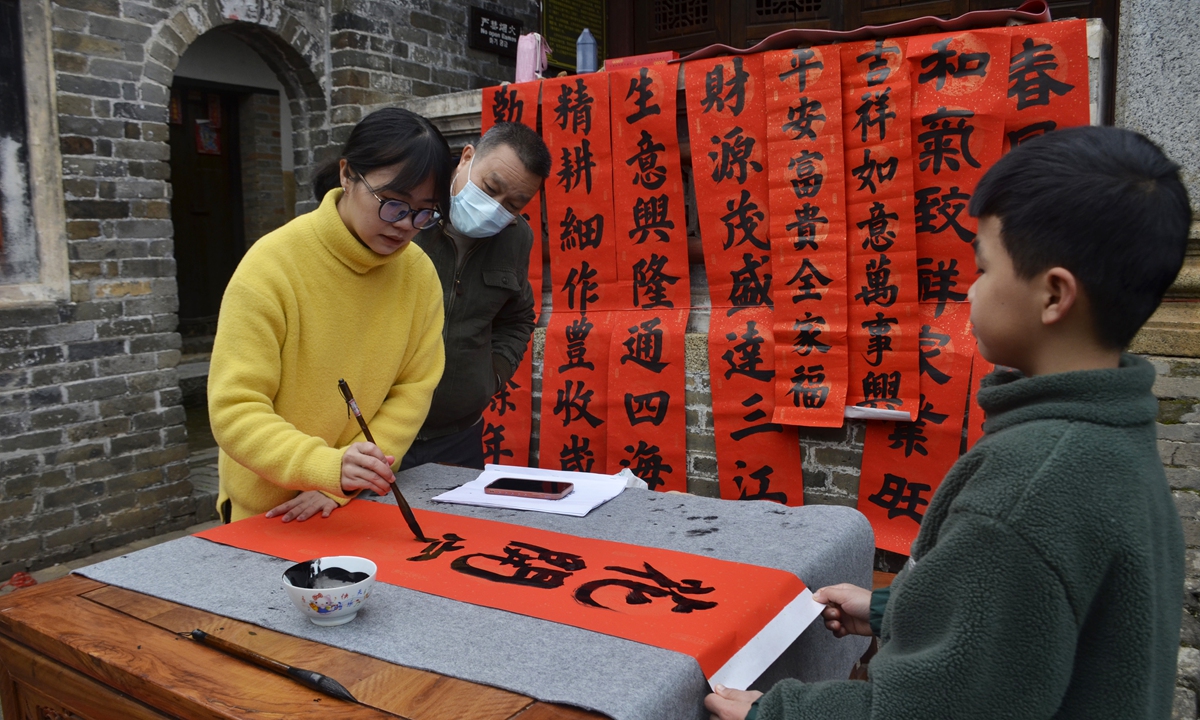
<point>524,487</point>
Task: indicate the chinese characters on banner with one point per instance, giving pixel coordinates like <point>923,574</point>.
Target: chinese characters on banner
<point>756,457</point>
<point>1047,80</point>
<point>583,273</point>
<point>882,257</point>
<point>508,419</point>
<point>808,231</point>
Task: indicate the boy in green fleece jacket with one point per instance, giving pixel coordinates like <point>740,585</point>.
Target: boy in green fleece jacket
<point>1046,579</point>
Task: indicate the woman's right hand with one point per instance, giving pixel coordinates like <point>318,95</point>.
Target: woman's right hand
<point>847,609</point>
<point>365,467</point>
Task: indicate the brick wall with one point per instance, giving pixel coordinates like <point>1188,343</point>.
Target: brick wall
<point>263,189</point>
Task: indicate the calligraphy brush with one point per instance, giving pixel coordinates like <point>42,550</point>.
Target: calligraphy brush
<point>314,680</point>
<point>401,503</point>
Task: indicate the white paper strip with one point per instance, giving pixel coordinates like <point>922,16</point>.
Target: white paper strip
<point>765,648</point>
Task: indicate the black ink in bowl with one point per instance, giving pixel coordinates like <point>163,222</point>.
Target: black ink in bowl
<point>310,575</point>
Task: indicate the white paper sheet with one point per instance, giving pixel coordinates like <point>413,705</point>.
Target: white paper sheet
<point>591,490</point>
<point>764,648</point>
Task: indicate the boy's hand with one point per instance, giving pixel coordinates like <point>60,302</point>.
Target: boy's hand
<point>726,704</point>
<point>847,609</point>
<point>365,467</point>
<point>304,506</point>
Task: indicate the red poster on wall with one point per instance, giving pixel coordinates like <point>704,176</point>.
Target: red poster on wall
<point>808,230</point>
<point>573,433</point>
<point>650,221</point>
<point>647,420</point>
<point>757,458</point>
<point>904,462</point>
<point>1047,84</point>
<point>882,259</point>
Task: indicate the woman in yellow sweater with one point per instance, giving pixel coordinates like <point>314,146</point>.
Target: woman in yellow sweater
<point>339,292</point>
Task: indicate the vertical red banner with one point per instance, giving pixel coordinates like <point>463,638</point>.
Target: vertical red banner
<point>574,428</point>
<point>904,462</point>
<point>757,459</point>
<point>980,368</point>
<point>882,258</point>
<point>647,421</point>
<point>1047,80</point>
<point>803,89</point>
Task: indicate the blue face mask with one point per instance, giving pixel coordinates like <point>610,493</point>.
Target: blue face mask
<point>476,214</point>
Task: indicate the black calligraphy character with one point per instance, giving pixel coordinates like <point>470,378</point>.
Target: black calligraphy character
<point>931,346</point>
<point>1029,132</point>
<point>872,170</point>
<point>801,65</point>
<point>763,476</point>
<point>1029,74</point>
<point>581,278</point>
<point>940,65</point>
<point>644,346</point>
<point>734,155</point>
<point>650,407</point>
<point>874,112</point>
<point>879,288</point>
<point>577,334</point>
<point>435,549</point>
<point>749,290</point>
<point>806,280</point>
<point>506,107</point>
<point>808,335</point>
<point>881,388</point>
<point>649,277</point>
<point>650,214</point>
<point>749,355</point>
<point>577,167</point>
<point>640,86</point>
<point>808,386</point>
<point>502,402</point>
<point>743,217</point>
<point>649,464</point>
<point>808,181</point>
<point>641,593</point>
<point>805,227</point>
<point>576,107</point>
<point>578,456</point>
<point>521,556</point>
<point>938,140</point>
<point>938,285</point>
<point>900,497</point>
<point>880,236</point>
<point>579,232</point>
<point>753,417</point>
<point>493,444</point>
<point>879,337</point>
<point>949,206</point>
<point>715,84</point>
<point>911,435</point>
<point>573,402</point>
<point>801,119</point>
<point>650,174</point>
<point>878,70</point>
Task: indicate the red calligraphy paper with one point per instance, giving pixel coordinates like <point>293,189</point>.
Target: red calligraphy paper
<point>882,258</point>
<point>1048,86</point>
<point>678,601</point>
<point>647,421</point>
<point>650,222</point>
<point>573,434</point>
<point>980,368</point>
<point>757,459</point>
<point>808,230</point>
<point>904,462</point>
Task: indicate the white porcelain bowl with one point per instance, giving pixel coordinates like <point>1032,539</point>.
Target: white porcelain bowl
<point>330,605</point>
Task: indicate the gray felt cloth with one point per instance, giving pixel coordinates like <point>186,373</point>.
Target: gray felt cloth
<point>626,680</point>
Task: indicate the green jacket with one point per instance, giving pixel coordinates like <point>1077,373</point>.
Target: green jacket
<point>489,319</point>
<point>1047,576</point>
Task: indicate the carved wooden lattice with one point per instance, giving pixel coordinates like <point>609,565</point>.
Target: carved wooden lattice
<point>784,9</point>
<point>675,15</point>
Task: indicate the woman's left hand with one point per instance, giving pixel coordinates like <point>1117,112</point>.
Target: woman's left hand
<point>304,506</point>
<point>727,704</point>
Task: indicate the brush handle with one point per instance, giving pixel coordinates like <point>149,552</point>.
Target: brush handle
<point>309,678</point>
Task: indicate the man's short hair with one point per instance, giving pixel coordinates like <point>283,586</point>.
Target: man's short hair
<point>525,142</point>
<point>1102,202</point>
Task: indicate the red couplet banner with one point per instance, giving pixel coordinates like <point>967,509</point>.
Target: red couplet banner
<point>980,368</point>
<point>647,419</point>
<point>904,462</point>
<point>1047,80</point>
<point>574,428</point>
<point>757,458</point>
<point>882,258</point>
<point>687,603</point>
<point>803,90</point>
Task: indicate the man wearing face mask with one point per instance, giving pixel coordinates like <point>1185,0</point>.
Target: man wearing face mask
<point>481,252</point>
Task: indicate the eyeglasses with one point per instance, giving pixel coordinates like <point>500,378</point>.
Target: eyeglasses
<point>391,211</point>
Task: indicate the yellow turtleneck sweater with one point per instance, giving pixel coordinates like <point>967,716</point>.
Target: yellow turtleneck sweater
<point>307,305</point>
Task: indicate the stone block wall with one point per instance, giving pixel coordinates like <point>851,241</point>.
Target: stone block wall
<point>263,188</point>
